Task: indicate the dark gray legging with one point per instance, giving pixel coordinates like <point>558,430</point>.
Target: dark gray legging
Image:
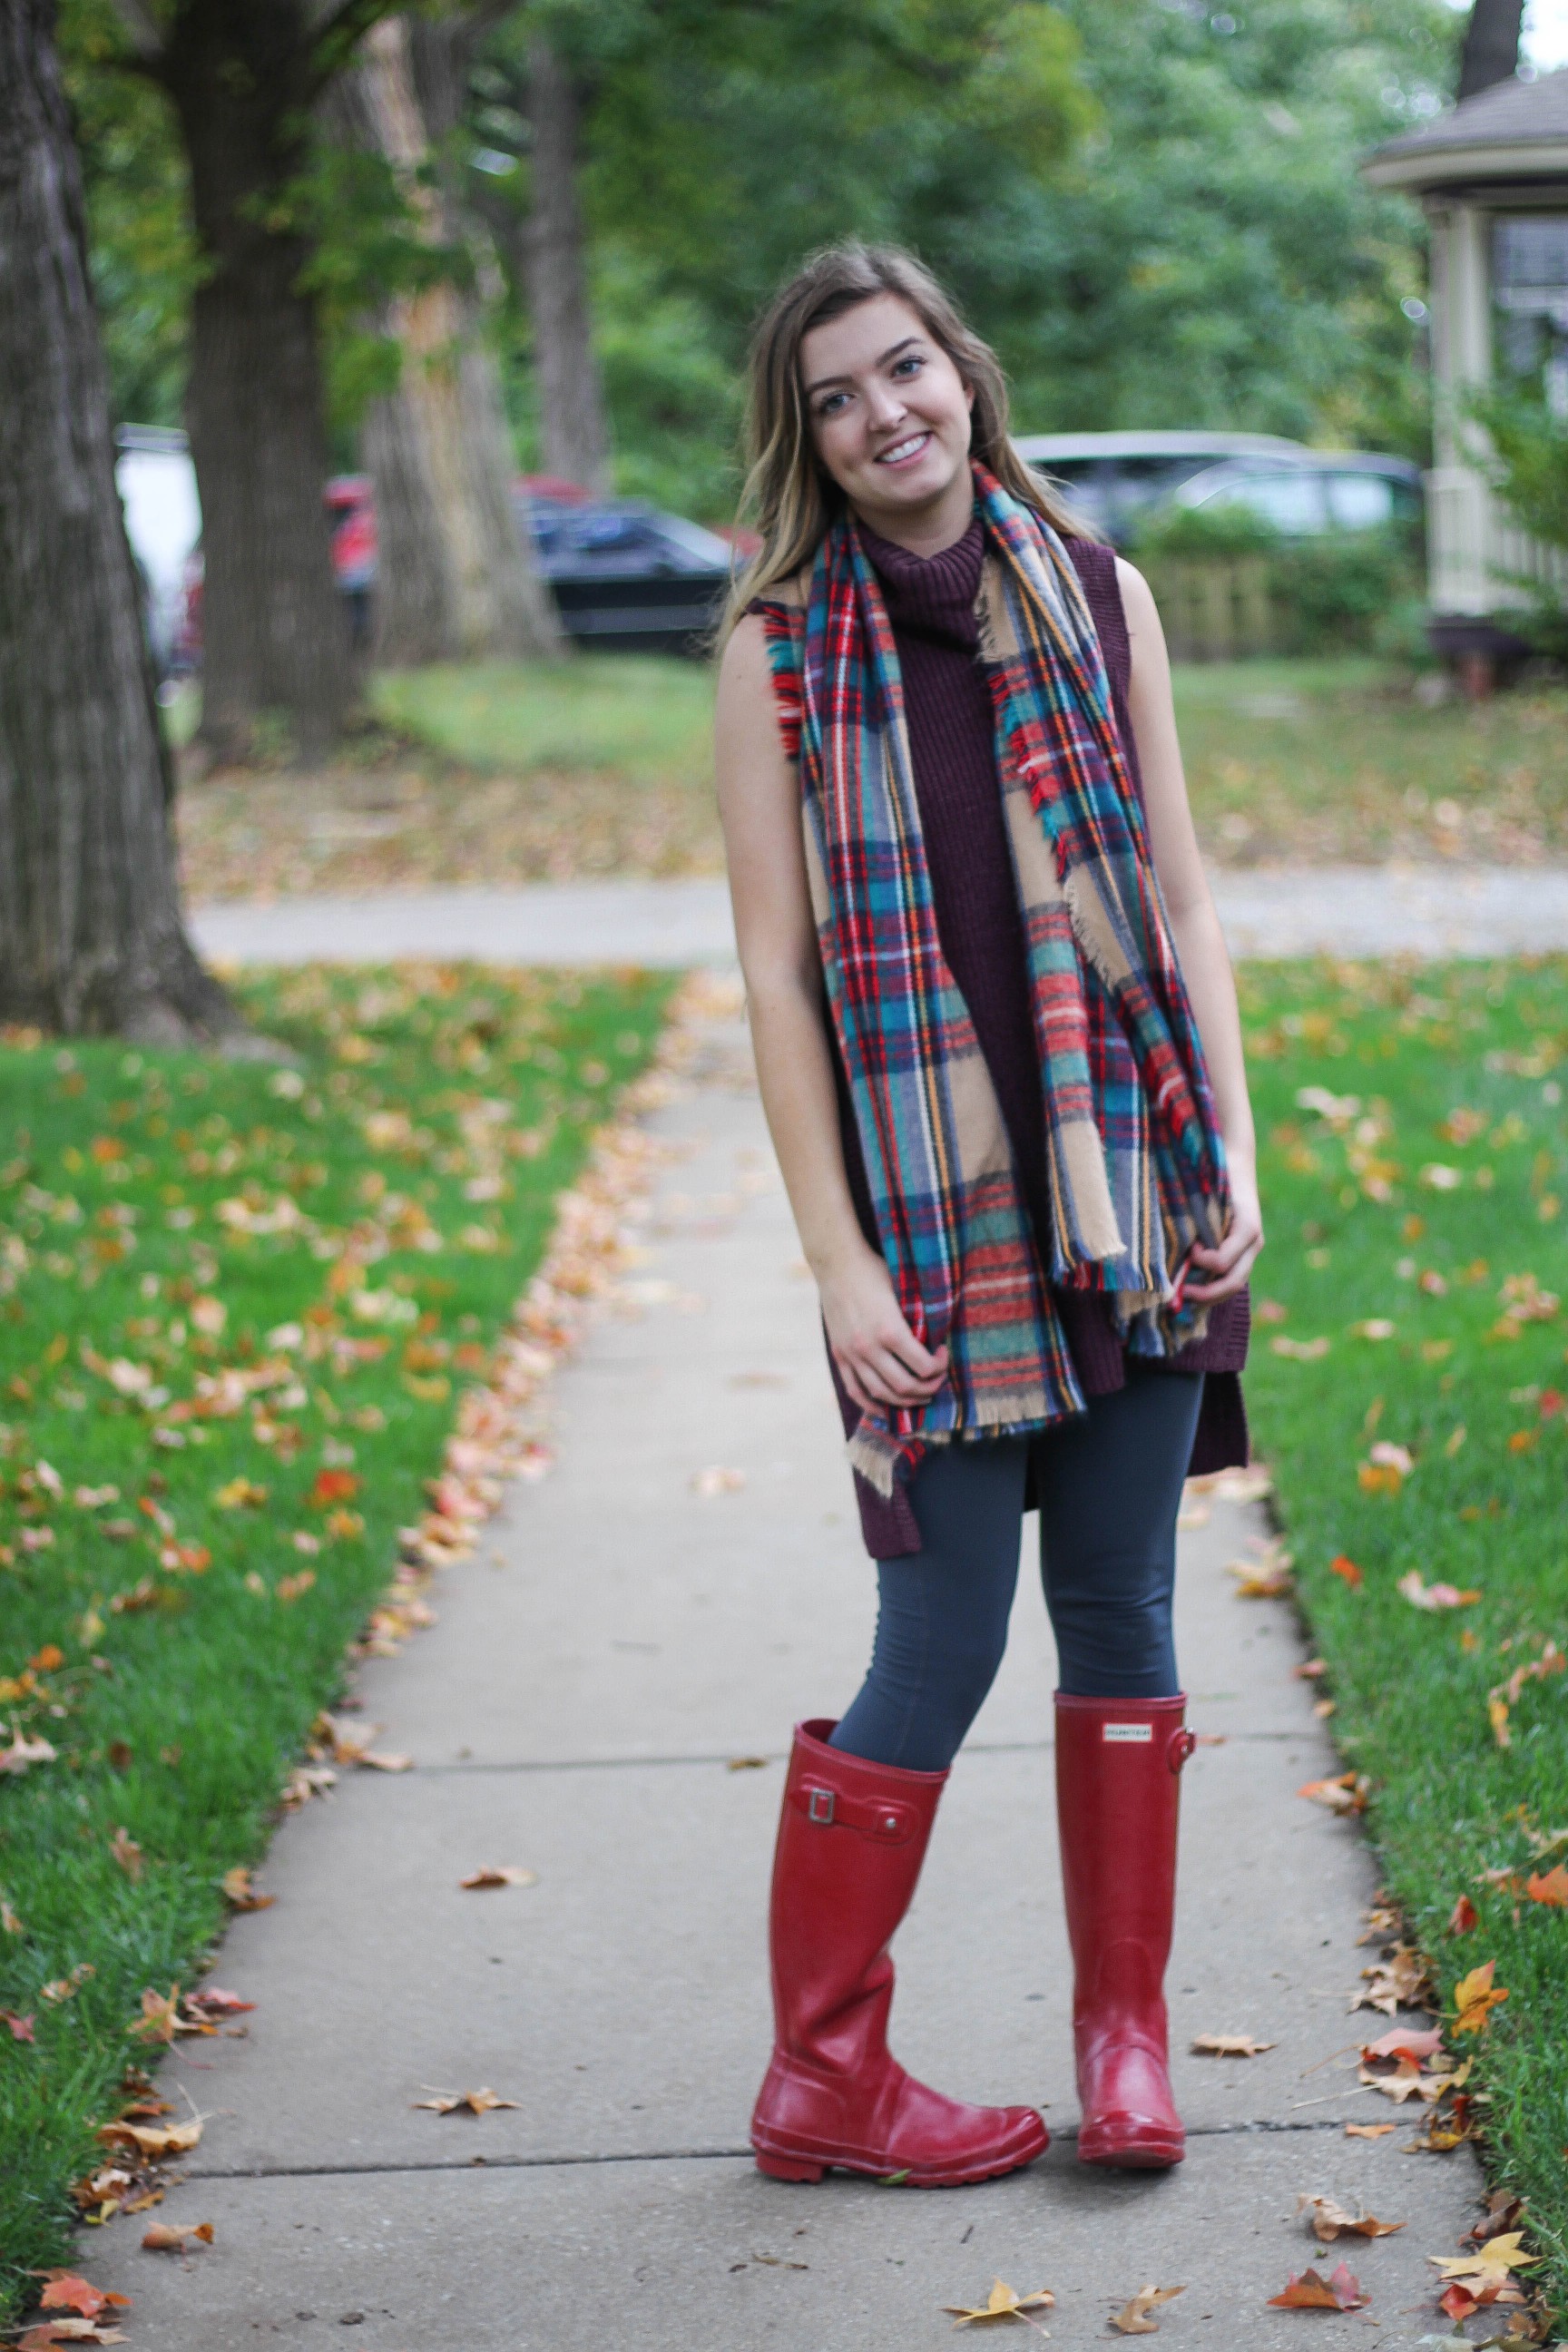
<point>1110,1486</point>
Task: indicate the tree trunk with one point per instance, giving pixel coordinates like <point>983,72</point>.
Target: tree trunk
<point>90,934</point>
<point>1490,53</point>
<point>274,634</point>
<point>574,433</point>
<point>455,572</point>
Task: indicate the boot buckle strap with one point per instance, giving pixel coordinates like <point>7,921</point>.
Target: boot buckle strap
<point>887,1821</point>
<point>1183,1743</point>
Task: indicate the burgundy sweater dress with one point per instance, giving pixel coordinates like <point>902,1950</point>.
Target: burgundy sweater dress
<point>947,703</point>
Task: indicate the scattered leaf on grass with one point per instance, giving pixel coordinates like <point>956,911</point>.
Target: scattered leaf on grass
<point>1330,2221</point>
<point>1342,1566</point>
<point>127,1854</point>
<point>1300,1351</point>
<point>477,2103</point>
<point>1435,1596</point>
<point>163,2238</point>
<point>1549,1887</point>
<point>1229,2045</point>
<point>24,1752</point>
<point>1133,2319</point>
<point>1463,1916</point>
<point>20,2028</point>
<point>1475,1997</point>
<point>1002,2304</point>
<point>158,2020</point>
<point>500,1874</point>
<point>1311,2292</point>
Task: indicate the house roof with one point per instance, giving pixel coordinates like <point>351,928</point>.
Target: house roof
<point>1515,131</point>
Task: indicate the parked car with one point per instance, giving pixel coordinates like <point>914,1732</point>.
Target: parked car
<point>624,577</point>
<point>157,485</point>
<point>1329,490</point>
<point>1113,478</point>
<point>1117,481</point>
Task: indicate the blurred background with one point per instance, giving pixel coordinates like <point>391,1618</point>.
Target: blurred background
<point>437,319</point>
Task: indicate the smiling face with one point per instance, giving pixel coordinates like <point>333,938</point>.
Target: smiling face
<point>890,418</point>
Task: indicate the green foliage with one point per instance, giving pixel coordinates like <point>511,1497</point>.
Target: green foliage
<point>1463,1276</point>
<point>1344,592</point>
<point>186,1683</point>
<point>145,263</point>
<point>1530,471</point>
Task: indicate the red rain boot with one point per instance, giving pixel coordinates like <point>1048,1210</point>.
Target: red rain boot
<point>852,1837</point>
<point>1117,1795</point>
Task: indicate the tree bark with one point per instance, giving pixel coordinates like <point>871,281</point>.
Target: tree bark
<point>455,573</point>
<point>274,636</point>
<point>91,933</point>
<point>1490,53</point>
<point>574,432</point>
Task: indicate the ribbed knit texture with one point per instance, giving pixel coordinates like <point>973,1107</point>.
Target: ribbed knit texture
<point>947,706</point>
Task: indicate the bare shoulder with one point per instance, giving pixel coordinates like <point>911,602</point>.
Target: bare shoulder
<point>743,664</point>
<point>1137,596</point>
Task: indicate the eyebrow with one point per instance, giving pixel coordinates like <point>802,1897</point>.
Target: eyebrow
<point>882,358</point>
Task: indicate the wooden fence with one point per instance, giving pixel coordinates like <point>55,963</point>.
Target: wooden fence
<point>1214,608</point>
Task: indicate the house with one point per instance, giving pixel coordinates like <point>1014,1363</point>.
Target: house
<point>1492,177</point>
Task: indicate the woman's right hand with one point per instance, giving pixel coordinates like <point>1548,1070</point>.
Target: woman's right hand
<point>879,1360</point>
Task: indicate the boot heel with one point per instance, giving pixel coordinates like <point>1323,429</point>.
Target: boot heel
<point>789,2168</point>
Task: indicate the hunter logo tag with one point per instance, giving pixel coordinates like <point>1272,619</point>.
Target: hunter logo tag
<point>1134,1734</point>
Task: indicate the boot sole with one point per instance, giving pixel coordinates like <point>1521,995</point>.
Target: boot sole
<point>1137,2152</point>
<point>780,2165</point>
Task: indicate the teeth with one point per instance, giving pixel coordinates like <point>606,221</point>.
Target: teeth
<point>903,448</point>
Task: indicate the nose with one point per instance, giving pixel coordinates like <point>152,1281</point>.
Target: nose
<point>885,405</point>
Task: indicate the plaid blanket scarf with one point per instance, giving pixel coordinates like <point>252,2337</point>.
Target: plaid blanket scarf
<point>1135,1160</point>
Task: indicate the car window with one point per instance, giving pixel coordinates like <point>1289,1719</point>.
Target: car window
<point>1360,502</point>
<point>1291,502</point>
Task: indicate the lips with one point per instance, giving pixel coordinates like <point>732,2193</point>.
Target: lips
<point>913,446</point>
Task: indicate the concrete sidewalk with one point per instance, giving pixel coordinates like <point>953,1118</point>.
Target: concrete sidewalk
<point>605,1676</point>
<point>1343,911</point>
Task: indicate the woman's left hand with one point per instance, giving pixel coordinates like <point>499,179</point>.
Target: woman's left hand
<point>1226,1268</point>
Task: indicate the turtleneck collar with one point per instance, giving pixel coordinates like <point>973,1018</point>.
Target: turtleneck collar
<point>931,595</point>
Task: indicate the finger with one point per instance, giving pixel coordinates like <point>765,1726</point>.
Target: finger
<point>902,1383</point>
<point>852,1382</point>
<point>902,1344</point>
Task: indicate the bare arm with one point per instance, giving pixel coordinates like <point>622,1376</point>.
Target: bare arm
<point>1200,942</point>
<point>878,1357</point>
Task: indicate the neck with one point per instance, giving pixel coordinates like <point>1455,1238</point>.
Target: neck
<point>930,529</point>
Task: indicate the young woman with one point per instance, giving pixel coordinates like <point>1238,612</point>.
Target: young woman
<point>997,1041</point>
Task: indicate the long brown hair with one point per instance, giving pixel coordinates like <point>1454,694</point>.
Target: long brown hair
<point>789,496</point>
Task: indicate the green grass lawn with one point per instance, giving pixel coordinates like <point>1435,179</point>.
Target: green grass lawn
<point>648,716</point>
<point>1329,760</point>
<point>237,1305</point>
<point>1415,1184</point>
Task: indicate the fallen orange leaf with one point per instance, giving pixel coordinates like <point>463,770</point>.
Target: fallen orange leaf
<point>68,2291</point>
<point>163,2238</point>
<point>1311,2292</point>
<point>1475,1997</point>
<point>1347,1568</point>
<point>1331,2221</point>
<point>1463,1916</point>
<point>1551,1886</point>
<point>1229,2045</point>
<point>1369,2131</point>
<point>1133,2319</point>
